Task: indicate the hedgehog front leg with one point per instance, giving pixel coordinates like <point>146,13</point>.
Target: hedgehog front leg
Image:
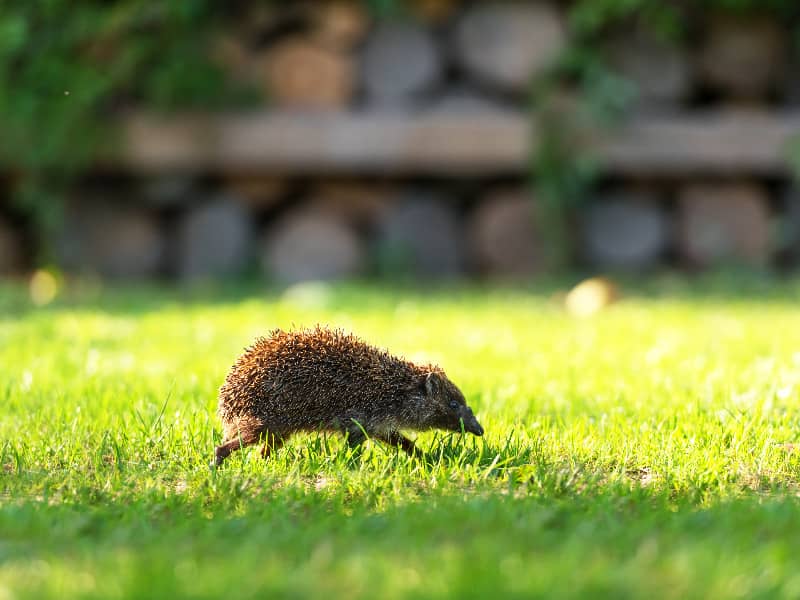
<point>272,443</point>
<point>355,437</point>
<point>395,438</point>
<point>241,439</point>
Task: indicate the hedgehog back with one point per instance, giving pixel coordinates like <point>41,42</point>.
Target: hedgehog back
<point>316,378</point>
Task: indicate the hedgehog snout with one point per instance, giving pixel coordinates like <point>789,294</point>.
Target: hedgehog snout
<point>471,424</point>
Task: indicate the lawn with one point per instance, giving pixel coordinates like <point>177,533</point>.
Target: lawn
<point>636,453</point>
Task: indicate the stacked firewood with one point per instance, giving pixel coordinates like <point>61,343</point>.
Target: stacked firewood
<point>441,57</point>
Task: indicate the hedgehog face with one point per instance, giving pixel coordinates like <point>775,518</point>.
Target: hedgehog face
<point>449,409</point>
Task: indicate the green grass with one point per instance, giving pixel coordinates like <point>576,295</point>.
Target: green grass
<point>637,453</point>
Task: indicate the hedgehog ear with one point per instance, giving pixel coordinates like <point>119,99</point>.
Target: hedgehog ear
<point>433,384</point>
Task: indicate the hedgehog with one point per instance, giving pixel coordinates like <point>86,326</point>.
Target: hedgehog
<point>327,380</point>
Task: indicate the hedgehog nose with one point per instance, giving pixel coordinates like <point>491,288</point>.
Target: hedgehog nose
<point>475,427</point>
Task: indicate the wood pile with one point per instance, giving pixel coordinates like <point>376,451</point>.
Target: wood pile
<point>404,145</point>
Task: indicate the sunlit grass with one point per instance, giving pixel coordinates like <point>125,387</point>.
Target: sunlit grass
<point>640,451</point>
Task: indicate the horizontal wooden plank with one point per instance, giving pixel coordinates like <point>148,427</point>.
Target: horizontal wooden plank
<point>713,143</point>
<point>320,143</point>
<point>475,143</point>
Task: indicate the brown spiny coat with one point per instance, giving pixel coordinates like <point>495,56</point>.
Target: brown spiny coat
<point>326,380</point>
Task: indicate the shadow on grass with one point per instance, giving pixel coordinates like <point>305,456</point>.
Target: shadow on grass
<point>467,547</point>
<point>612,514</point>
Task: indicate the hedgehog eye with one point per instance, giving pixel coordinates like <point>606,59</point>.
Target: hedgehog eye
<point>453,404</point>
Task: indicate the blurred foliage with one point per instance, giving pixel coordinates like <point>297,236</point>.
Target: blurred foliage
<point>562,171</point>
<point>383,8</point>
<point>578,94</point>
<point>64,64</point>
<point>594,16</point>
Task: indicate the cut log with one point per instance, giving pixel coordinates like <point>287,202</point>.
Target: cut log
<point>258,20</point>
<point>724,223</point>
<point>215,239</point>
<point>744,57</point>
<point>361,204</point>
<point>790,226</point>
<point>791,84</point>
<point>434,11</point>
<point>169,191</point>
<point>113,241</point>
<point>11,255</point>
<point>340,24</point>
<point>660,70</point>
<point>422,235</point>
<point>257,192</point>
<point>301,74</point>
<point>232,54</point>
<point>625,231</point>
<point>400,63</point>
<point>505,241</point>
<point>507,44</point>
<point>306,245</point>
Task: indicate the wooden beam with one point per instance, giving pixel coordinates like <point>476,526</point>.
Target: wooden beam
<point>475,143</point>
<point>696,144</point>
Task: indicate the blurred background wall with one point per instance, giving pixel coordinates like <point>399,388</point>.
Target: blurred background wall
<point>422,138</point>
